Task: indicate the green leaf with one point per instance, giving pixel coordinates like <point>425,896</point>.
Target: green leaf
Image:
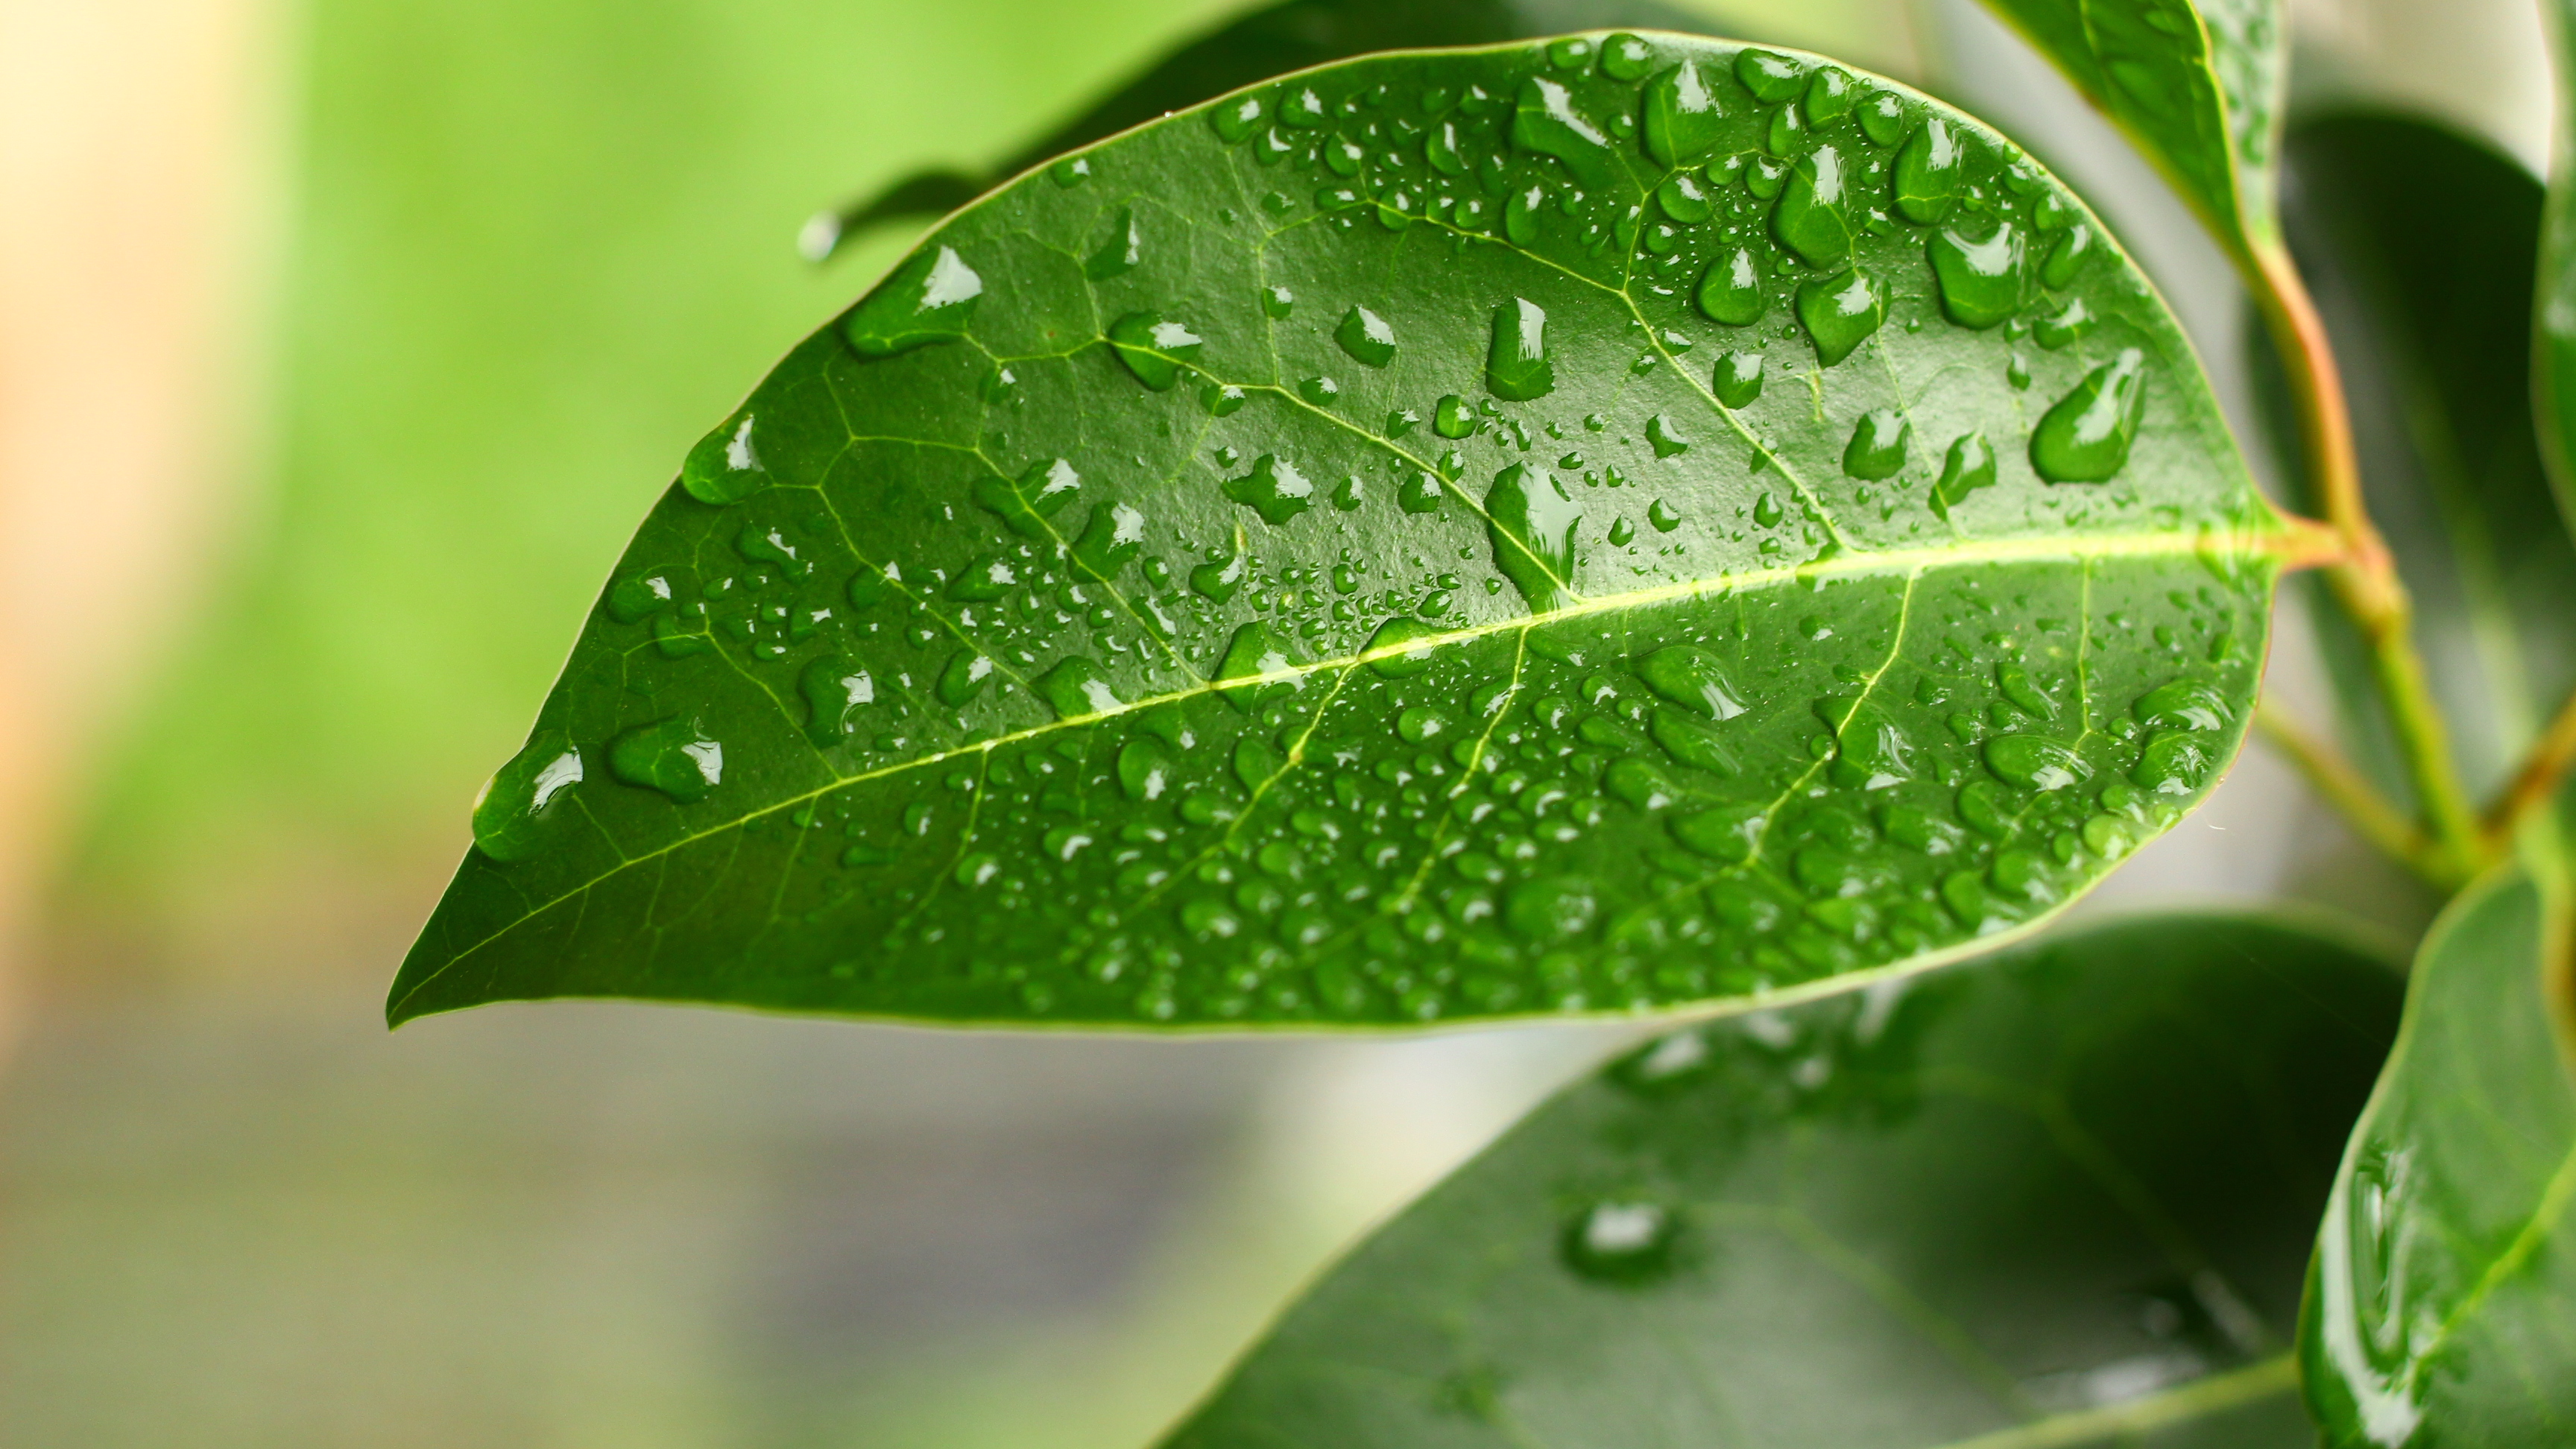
<point>2442,1307</point>
<point>2554,315</point>
<point>1296,35</point>
<point>2197,87</point>
<point>2417,243</point>
<point>2061,1199</point>
<point>1043,645</point>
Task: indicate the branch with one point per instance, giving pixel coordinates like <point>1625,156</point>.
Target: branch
<point>2333,776</point>
<point>2538,779</point>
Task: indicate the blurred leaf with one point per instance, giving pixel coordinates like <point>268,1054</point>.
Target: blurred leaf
<point>1270,42</point>
<point>2554,332</point>
<point>2061,1198</point>
<point>2417,243</point>
<point>2198,87</point>
<point>1103,621</point>
<point>2442,1305</point>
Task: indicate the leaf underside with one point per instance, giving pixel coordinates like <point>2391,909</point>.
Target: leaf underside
<point>1414,613</point>
<point>2063,1198</point>
<point>2442,1306</point>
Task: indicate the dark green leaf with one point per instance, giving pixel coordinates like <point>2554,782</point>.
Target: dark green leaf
<point>2442,1307</point>
<point>1144,655</point>
<point>2198,87</point>
<point>2554,332</point>
<point>2061,1198</point>
<point>2417,243</point>
<point>1266,43</point>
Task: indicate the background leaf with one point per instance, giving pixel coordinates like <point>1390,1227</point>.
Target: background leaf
<point>2061,1198</point>
<point>2442,1307</point>
<point>2197,86</point>
<point>2554,331</point>
<point>2417,243</point>
<point>1318,558</point>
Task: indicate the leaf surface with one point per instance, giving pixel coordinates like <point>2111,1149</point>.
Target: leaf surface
<point>2442,1306</point>
<point>2198,86</point>
<point>1323,560</point>
<point>2061,1198</point>
<point>2418,245</point>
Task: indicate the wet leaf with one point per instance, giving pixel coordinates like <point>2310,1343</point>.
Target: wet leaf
<point>2442,1307</point>
<point>1044,642</point>
<point>2197,86</point>
<point>2061,1198</point>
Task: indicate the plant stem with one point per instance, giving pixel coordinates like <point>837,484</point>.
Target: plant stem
<point>2332,775</point>
<point>2538,779</point>
<point>2365,581</point>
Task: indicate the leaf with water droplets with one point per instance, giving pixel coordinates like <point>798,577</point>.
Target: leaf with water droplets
<point>1632,622</point>
<point>2061,1199</point>
<point>2439,1304</point>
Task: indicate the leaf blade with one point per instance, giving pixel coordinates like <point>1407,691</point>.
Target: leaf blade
<point>957,573</point>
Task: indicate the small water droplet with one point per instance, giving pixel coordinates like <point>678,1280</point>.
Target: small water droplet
<point>1685,199</point>
<point>1027,502</point>
<point>1520,215</point>
<point>929,299</point>
<point>1544,120</point>
<point>2085,438</point>
<point>1666,442</point>
<point>517,815</point>
<point>1622,533</point>
<point>1766,511</point>
<point>670,755</point>
<point>725,466</point>
<point>1366,337</point>
<point>1118,255</point>
<point>1274,489</point>
<point>1235,119</point>
<point>1277,302</point>
<point>2067,324</point>
<point>1402,646</point>
<point>2033,762</point>
<point>1255,650</point>
<point>1878,445</point>
<point>1969,466</point>
<point>965,676</point>
<point>1153,348</point>
<point>1981,281</point>
<point>1625,57</point>
<point>1927,173</point>
<point>1517,368</point>
<point>1076,688</point>
<point>1218,579</point>
<point>1840,312</point>
<point>1621,1242</point>
<point>1070,172</point>
<point>2066,260</point>
<point>1420,493</point>
<point>1737,380</point>
<point>1770,76</point>
<point>1452,418</point>
<point>833,686</point>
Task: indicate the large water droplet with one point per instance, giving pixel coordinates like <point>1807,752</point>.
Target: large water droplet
<point>1402,646</point>
<point>1422,724</point>
<point>1878,444</point>
<point>1026,503</point>
<point>1111,540</point>
<point>1770,76</point>
<point>1813,217</point>
<point>2067,324</point>
<point>2034,762</point>
<point>515,817</point>
<point>1831,94</point>
<point>834,686</point>
<point>1520,215</point>
<point>1625,57</point>
<point>1366,337</point>
<point>1254,651</point>
<point>1664,438</point>
<point>1544,120</point>
<point>1236,119</point>
<point>1981,281</point>
<point>1969,466</point>
<point>2066,260</point>
<point>2174,762</point>
<point>929,299</point>
<point>1927,173</point>
<point>1076,687</point>
<point>725,466</point>
<point>1679,116</point>
<point>1738,378</point>
<point>1840,312</point>
<point>1153,349</point>
<point>1693,678</point>
<point>1218,579</point>
<point>1517,368</point>
<point>1145,768</point>
<point>2184,704</point>
<point>2085,438</point>
<point>965,676</point>
<point>1730,291</point>
<point>1441,149</point>
<point>1452,418</point>
<point>1274,489</point>
<point>1685,199</point>
<point>1882,118</point>
<point>1532,527</point>
<point>1119,254</point>
<point>672,755</point>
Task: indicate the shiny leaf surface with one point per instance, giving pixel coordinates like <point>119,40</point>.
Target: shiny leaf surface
<point>2442,1308</point>
<point>1318,561</point>
<point>2061,1197</point>
<point>2196,83</point>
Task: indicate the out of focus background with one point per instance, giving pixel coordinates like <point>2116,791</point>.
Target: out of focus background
<point>342,343</point>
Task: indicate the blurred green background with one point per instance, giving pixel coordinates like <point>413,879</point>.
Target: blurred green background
<point>525,253</point>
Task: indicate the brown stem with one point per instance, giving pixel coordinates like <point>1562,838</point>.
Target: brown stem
<point>2538,779</point>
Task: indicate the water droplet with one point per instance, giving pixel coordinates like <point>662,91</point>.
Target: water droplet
<point>1622,533</point>
<point>1452,418</point>
<point>1981,281</point>
<point>1255,764</point>
<point>636,597</point>
<point>1831,94</point>
<point>1153,348</point>
<point>1766,511</point>
<point>2184,704</point>
<point>1237,118</point>
<point>1517,368</point>
<point>1254,651</point>
<point>1552,908</point>
<point>1422,724</point>
<point>1401,647</point>
<point>1770,76</point>
<point>725,467</point>
<point>1076,688</point>
<point>2067,324</point>
<point>2174,762</point>
<point>1119,254</point>
<point>929,299</point>
<point>1840,312</point>
<point>1625,57</point>
<point>2025,695</point>
<point>1303,108</point>
<point>1274,489</point>
<point>1692,678</point>
<point>834,686</point>
<point>1685,199</point>
<point>1927,173</point>
<point>1366,337</point>
<point>1420,493</point>
<point>1218,579</point>
<point>1347,494</point>
<point>1277,302</point>
<point>1812,217</point>
<point>2016,371</point>
<point>1070,172</point>
<point>1666,442</point>
<point>1544,120</point>
<point>1663,516</point>
<point>1532,526</point>
<point>1621,1242</point>
<point>1112,538</point>
<point>1441,149</point>
<point>1730,291</point>
<point>672,755</point>
<point>1323,392</point>
<point>1788,127</point>
<point>1679,115</point>
<point>1025,504</point>
<point>1145,768</point>
<point>2085,438</point>
<point>1764,177</point>
<point>1882,118</point>
<point>1738,378</point>
<point>2034,763</point>
<point>1969,466</point>
<point>1878,445</point>
<point>1520,215</point>
<point>516,816</point>
<point>2067,258</point>
<point>964,678</point>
